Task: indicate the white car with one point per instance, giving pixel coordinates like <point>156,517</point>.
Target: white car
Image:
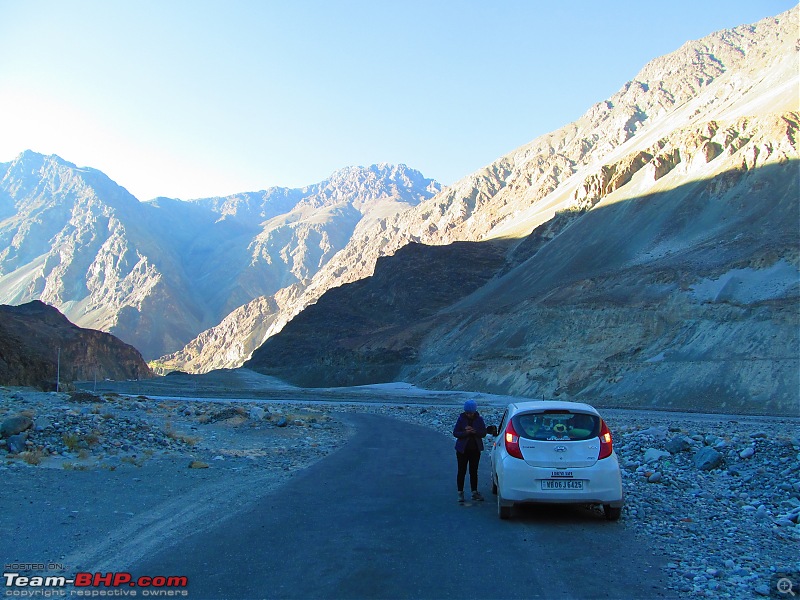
<point>555,452</point>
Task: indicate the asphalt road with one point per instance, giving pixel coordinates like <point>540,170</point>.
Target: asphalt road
<point>379,519</point>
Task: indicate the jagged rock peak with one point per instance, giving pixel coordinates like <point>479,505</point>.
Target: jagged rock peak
<point>355,185</point>
<point>359,185</point>
<point>32,174</point>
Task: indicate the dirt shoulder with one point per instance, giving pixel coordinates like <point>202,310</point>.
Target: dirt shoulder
<point>100,481</point>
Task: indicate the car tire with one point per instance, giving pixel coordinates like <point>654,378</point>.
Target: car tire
<point>612,513</point>
<point>504,512</point>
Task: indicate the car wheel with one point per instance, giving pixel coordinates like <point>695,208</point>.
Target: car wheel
<point>504,512</point>
<point>613,513</point>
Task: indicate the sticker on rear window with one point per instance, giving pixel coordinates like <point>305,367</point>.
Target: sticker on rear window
<point>558,427</point>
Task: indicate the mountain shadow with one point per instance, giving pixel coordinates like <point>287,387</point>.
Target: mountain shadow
<point>364,332</point>
<point>40,348</point>
<point>686,298</point>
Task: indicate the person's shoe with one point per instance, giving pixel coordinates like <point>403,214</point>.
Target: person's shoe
<point>461,497</point>
<point>476,495</point>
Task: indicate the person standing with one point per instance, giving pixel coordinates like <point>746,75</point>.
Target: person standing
<point>469,432</point>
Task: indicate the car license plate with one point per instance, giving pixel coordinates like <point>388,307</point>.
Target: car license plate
<point>562,484</point>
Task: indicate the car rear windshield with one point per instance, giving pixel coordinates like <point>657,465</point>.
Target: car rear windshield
<point>557,426</point>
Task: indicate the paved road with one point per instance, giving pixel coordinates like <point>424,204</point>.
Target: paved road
<point>378,519</point>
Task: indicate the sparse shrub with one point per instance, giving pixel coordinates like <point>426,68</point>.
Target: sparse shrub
<point>71,441</point>
<point>82,396</point>
<point>179,436</point>
<point>32,457</point>
<point>67,466</point>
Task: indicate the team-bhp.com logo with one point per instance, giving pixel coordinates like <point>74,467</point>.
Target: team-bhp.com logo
<point>94,585</point>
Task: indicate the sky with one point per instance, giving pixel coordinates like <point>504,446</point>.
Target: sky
<point>199,98</point>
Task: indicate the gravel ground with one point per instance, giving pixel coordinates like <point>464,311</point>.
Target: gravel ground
<point>718,496</point>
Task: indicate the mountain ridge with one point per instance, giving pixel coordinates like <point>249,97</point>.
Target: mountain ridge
<point>722,126</point>
<point>532,184</point>
<point>158,273</point>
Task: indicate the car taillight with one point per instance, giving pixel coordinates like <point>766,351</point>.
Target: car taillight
<point>512,441</point>
<point>606,445</point>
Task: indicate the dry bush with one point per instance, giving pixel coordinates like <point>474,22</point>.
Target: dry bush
<point>71,441</point>
<point>179,436</point>
<point>32,457</point>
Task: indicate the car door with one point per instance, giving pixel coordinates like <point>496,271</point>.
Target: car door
<point>497,445</point>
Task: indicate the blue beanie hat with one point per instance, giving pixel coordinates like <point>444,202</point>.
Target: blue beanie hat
<point>470,406</point>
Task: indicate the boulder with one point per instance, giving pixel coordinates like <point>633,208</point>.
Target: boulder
<point>653,455</point>
<point>15,425</point>
<point>656,432</point>
<point>706,458</point>
<point>257,413</point>
<point>16,443</point>
<point>677,444</point>
<point>747,452</point>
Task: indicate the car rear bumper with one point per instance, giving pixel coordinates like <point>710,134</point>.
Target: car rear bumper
<point>519,482</point>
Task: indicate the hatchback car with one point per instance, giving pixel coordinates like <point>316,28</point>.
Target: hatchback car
<point>555,452</point>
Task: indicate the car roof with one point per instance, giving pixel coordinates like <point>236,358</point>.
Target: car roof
<point>541,405</point>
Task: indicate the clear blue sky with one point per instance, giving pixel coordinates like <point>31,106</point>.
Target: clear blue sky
<point>191,98</point>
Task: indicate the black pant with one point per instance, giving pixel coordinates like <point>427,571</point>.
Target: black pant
<point>470,457</point>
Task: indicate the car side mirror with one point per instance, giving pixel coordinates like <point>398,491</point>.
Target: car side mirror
<point>491,430</point>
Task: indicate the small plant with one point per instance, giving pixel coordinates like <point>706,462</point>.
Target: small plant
<point>32,457</point>
<point>71,441</point>
<point>67,466</point>
<point>179,436</point>
<point>136,461</point>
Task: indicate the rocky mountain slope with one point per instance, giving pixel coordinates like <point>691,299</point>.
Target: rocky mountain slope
<point>157,274</point>
<point>37,341</point>
<point>366,331</point>
<point>657,246</point>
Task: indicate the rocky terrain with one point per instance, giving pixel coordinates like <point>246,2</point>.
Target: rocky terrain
<point>656,260</point>
<point>39,347</point>
<point>663,219</point>
<point>720,497</point>
<point>366,331</point>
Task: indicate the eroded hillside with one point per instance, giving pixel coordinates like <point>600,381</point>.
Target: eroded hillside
<point>657,260</point>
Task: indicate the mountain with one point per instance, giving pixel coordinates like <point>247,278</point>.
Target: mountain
<point>652,251</point>
<point>157,274</point>
<point>366,331</point>
<point>40,347</point>
<point>300,231</point>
